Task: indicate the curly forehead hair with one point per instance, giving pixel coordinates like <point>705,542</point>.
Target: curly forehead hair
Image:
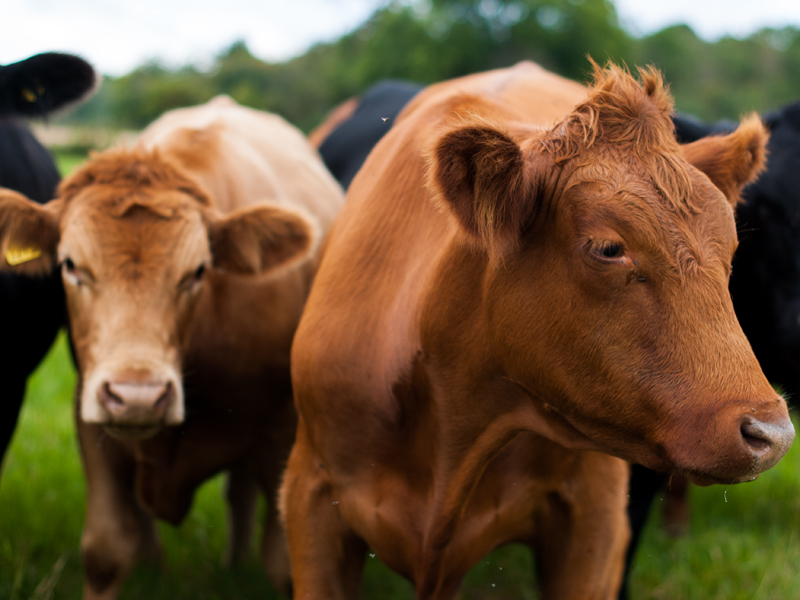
<point>134,170</point>
<point>623,113</point>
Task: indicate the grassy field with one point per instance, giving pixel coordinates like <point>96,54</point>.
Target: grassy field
<point>743,543</point>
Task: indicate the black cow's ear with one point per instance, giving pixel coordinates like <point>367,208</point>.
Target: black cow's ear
<point>731,161</point>
<point>29,233</point>
<point>38,85</point>
<point>261,238</point>
<point>480,173</point>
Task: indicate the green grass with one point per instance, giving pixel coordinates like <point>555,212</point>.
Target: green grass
<point>67,161</point>
<point>743,543</point>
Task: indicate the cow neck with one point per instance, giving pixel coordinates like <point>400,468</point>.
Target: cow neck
<point>478,409</point>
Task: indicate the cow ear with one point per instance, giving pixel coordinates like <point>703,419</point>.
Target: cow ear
<point>44,83</point>
<point>731,161</point>
<point>482,176</point>
<point>261,238</point>
<point>29,233</point>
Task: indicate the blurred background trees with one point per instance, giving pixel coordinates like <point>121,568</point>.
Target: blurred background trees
<point>430,40</point>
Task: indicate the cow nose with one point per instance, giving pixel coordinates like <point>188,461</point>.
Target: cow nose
<point>147,400</point>
<point>767,442</point>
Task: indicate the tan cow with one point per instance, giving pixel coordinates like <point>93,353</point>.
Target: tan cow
<point>186,260</point>
<point>526,282</point>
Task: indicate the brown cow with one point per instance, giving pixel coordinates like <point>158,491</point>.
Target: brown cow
<point>524,281</point>
<point>186,260</point>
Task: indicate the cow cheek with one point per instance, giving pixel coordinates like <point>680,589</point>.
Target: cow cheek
<point>79,310</point>
<point>186,307</point>
<point>581,347</point>
<point>528,327</point>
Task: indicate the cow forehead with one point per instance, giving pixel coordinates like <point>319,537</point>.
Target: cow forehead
<point>124,232</point>
<point>697,228</point>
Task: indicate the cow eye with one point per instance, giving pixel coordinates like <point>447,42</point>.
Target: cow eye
<point>193,278</point>
<point>71,272</point>
<point>605,249</point>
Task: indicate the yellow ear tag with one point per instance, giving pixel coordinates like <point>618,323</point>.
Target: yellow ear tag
<point>17,256</point>
<point>28,95</point>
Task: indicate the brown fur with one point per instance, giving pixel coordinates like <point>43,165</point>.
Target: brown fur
<point>528,280</point>
<point>617,113</point>
<point>185,270</point>
<point>131,170</point>
<point>731,161</point>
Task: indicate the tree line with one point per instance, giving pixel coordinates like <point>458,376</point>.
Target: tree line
<point>430,40</point>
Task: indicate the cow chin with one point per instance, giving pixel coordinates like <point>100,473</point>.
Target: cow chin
<point>132,433</point>
<point>705,481</point>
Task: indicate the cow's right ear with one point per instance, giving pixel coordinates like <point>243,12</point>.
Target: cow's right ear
<point>731,161</point>
<point>261,238</point>
<point>480,173</point>
<point>29,233</point>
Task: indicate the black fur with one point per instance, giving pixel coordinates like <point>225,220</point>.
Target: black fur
<point>346,147</point>
<point>32,308</point>
<point>41,84</point>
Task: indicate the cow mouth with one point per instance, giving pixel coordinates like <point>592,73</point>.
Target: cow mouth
<point>705,481</point>
<point>132,432</point>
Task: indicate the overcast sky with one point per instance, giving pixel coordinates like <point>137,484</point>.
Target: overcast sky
<point>118,35</point>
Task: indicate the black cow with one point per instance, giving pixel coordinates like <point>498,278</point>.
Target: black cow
<point>345,148</point>
<point>32,308</point>
<point>765,285</point>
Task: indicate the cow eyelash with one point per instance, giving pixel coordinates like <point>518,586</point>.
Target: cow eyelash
<point>75,274</point>
<point>190,279</point>
<point>607,250</point>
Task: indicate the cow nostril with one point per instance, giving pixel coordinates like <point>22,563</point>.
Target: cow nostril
<point>165,397</point>
<point>755,436</point>
<point>769,440</point>
<point>110,397</point>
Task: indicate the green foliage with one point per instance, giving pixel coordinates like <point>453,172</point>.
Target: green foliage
<point>432,40</point>
<point>727,78</point>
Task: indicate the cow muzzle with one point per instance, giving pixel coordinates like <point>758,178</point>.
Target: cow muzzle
<point>133,405</point>
<point>759,442</point>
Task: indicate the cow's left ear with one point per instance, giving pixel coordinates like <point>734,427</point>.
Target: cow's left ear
<point>479,172</point>
<point>731,161</point>
<point>261,238</point>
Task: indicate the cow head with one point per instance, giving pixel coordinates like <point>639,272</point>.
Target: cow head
<point>136,242</point>
<point>608,250</point>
